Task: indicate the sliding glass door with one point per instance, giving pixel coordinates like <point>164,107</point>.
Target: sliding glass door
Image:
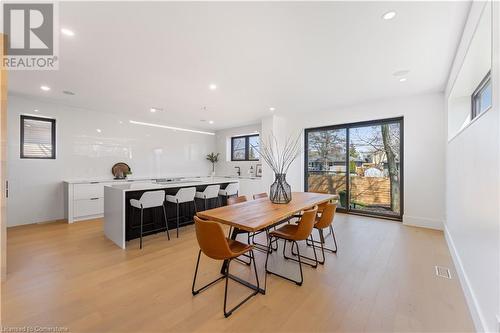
<point>361,162</point>
<point>326,161</point>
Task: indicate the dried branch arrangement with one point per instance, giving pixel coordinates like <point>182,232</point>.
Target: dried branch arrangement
<point>279,158</point>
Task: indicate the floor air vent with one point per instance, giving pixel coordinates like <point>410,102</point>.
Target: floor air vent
<point>443,272</point>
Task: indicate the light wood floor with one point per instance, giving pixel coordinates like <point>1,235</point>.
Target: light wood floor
<point>382,279</point>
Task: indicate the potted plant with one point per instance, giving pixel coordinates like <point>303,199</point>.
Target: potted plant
<point>213,158</point>
<point>279,158</point>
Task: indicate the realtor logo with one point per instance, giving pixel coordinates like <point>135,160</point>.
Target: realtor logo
<point>29,36</point>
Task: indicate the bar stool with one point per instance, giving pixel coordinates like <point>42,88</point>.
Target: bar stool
<point>210,192</point>
<point>184,195</point>
<point>294,233</point>
<point>150,199</point>
<point>216,246</point>
<point>230,190</point>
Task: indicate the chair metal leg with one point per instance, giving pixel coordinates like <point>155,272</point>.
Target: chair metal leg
<point>195,292</point>
<point>299,283</point>
<point>177,220</point>
<point>262,247</point>
<point>315,259</point>
<point>166,221</point>
<point>227,276</point>
<point>140,244</point>
<point>205,203</point>
<point>322,241</point>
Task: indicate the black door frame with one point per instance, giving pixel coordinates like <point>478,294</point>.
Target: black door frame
<point>347,127</point>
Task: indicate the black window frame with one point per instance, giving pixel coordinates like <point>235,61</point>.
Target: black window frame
<point>247,147</point>
<point>348,126</point>
<point>52,134</point>
<point>476,95</point>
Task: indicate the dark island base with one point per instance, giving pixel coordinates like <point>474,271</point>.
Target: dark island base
<point>153,217</point>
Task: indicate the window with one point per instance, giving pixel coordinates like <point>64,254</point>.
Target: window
<point>38,137</point>
<point>481,98</point>
<point>360,162</point>
<point>245,148</point>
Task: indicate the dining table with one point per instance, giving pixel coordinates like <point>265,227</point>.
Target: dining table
<point>261,214</point>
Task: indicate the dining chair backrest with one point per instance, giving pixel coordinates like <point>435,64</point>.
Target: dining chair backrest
<point>260,195</point>
<point>233,200</point>
<point>327,216</point>
<point>151,199</point>
<point>211,191</point>
<point>185,194</point>
<point>306,224</point>
<point>211,239</point>
<point>232,188</point>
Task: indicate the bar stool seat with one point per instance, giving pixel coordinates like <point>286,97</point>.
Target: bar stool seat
<point>231,189</point>
<point>148,200</point>
<point>210,192</point>
<point>184,195</point>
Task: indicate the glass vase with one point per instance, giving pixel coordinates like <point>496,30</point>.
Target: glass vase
<point>280,192</point>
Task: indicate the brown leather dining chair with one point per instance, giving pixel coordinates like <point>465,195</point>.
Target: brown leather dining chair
<point>215,245</point>
<point>235,200</point>
<point>260,195</point>
<point>324,221</point>
<point>294,233</point>
<point>259,246</point>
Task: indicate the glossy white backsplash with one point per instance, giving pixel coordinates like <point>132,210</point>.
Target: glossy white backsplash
<point>35,186</point>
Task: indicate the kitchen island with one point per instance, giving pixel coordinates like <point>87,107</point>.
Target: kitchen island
<point>120,227</point>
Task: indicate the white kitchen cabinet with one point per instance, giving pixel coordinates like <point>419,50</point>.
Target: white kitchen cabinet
<point>84,200</point>
<point>251,186</point>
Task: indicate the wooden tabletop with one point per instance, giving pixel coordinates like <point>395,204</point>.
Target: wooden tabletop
<point>254,215</point>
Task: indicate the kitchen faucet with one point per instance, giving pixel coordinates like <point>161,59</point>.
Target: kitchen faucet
<point>239,170</point>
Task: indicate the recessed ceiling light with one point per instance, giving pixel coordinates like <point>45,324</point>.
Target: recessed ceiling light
<point>401,72</point>
<point>210,121</point>
<point>403,79</point>
<point>36,110</point>
<point>212,86</point>
<point>389,15</point>
<point>45,88</point>
<point>67,92</point>
<point>67,32</point>
<point>272,109</point>
<point>98,130</point>
<point>120,122</point>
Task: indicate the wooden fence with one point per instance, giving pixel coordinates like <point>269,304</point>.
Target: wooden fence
<point>364,190</point>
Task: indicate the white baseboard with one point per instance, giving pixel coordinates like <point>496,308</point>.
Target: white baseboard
<point>423,222</point>
<point>477,317</point>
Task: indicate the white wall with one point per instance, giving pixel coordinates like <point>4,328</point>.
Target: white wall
<point>472,71</point>
<point>473,186</point>
<point>226,167</point>
<point>424,149</point>
<point>35,186</point>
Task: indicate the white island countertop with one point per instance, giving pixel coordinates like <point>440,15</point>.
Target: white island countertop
<point>183,182</point>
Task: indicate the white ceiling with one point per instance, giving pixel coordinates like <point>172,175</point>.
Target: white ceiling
<point>126,57</point>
